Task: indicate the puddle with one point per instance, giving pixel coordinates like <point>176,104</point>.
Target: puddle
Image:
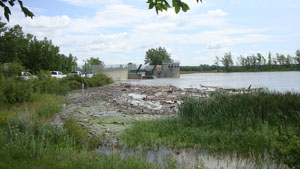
<point>190,158</point>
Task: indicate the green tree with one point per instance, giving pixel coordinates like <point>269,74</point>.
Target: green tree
<point>94,61</point>
<point>11,69</point>
<point>33,54</point>
<point>227,61</point>
<point>297,58</point>
<point>260,59</point>
<point>281,59</point>
<point>269,59</point>
<point>12,44</point>
<point>156,56</point>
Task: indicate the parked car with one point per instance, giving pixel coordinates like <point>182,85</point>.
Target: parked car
<point>88,74</point>
<point>79,73</point>
<point>57,74</point>
<point>27,76</point>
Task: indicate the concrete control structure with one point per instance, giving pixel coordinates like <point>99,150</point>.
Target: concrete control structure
<point>168,69</point>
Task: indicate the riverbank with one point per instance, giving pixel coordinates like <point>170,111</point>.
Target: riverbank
<point>29,140</point>
<point>139,126</point>
<point>147,117</point>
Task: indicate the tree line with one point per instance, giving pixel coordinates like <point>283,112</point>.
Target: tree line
<point>252,63</point>
<point>35,55</point>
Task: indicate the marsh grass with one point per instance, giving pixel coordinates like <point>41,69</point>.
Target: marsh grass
<point>28,141</point>
<point>247,125</point>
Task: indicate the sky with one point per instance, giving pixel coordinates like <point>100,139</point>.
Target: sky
<point>121,31</point>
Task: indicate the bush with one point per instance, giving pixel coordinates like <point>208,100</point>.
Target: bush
<point>73,129</point>
<point>287,149</point>
<point>15,91</point>
<point>46,84</point>
<point>97,80</point>
<point>13,69</point>
<point>73,81</point>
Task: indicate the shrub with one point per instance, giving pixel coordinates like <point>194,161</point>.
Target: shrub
<point>97,80</point>
<point>73,81</point>
<point>287,149</point>
<point>13,69</point>
<point>74,129</point>
<point>15,91</point>
<point>46,84</point>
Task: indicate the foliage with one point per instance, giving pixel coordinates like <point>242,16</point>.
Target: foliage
<point>6,3</point>
<point>161,5</point>
<point>227,61</point>
<point>16,90</point>
<point>97,80</point>
<point>27,141</point>
<point>94,61</point>
<point>253,63</point>
<point>156,56</point>
<point>12,69</point>
<point>33,54</point>
<point>229,111</point>
<point>287,149</point>
<point>297,58</point>
<point>73,81</point>
<point>250,125</point>
<point>46,84</point>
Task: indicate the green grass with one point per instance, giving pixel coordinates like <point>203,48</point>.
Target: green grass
<point>28,141</point>
<point>251,125</point>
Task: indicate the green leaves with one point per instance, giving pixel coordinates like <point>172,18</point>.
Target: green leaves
<point>7,12</point>
<point>156,56</point>
<point>161,5</point>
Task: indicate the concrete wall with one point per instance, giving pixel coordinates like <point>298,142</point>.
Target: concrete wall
<point>134,76</point>
<point>118,75</point>
<point>171,70</point>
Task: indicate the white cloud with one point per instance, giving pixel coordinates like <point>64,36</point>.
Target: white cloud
<point>217,12</point>
<point>89,2</point>
<point>136,30</point>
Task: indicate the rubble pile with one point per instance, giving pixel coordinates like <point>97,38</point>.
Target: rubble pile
<point>139,99</point>
<point>108,110</point>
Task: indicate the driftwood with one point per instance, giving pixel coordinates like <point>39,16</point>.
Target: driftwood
<point>249,89</point>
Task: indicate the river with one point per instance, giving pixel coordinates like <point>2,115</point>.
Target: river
<point>274,81</point>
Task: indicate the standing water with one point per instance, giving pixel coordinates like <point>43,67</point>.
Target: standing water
<point>274,81</point>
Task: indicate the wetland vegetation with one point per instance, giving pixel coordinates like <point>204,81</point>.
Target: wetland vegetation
<point>250,125</point>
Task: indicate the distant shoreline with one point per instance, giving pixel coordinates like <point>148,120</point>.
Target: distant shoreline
<point>194,72</point>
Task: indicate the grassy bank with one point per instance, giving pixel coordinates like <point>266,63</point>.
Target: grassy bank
<point>250,125</point>
<point>27,138</point>
<point>28,141</point>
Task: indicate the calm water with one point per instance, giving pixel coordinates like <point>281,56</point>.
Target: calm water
<point>278,81</point>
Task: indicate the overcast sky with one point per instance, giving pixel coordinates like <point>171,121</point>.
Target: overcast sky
<point>120,31</point>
